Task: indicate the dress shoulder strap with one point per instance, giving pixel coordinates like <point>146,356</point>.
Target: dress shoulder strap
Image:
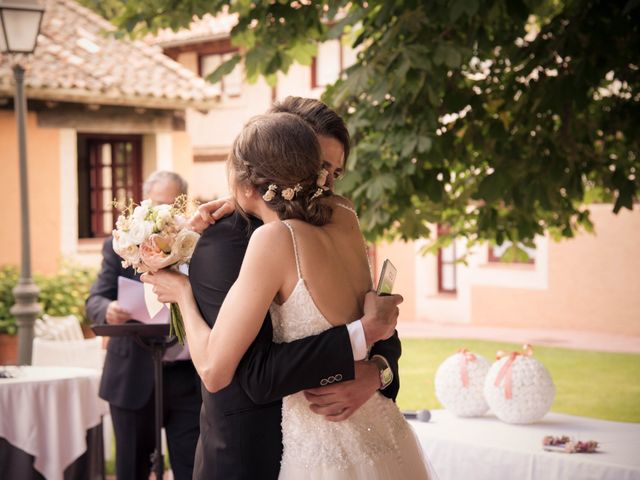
<point>351,209</point>
<point>295,247</point>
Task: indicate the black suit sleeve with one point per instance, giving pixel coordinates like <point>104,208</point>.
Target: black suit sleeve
<point>391,349</point>
<point>105,289</point>
<point>268,371</point>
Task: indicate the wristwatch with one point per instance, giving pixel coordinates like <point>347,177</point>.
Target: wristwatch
<point>384,370</point>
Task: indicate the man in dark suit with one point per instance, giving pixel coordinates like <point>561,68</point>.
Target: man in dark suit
<point>127,379</point>
<point>240,425</point>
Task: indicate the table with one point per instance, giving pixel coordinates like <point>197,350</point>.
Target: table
<point>485,448</point>
<point>46,413</point>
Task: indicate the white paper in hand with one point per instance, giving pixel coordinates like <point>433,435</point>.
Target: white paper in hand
<point>151,300</point>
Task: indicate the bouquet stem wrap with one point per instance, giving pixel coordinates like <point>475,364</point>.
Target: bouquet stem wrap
<point>176,324</point>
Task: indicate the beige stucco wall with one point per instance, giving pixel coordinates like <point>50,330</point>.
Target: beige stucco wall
<point>182,155</point>
<point>44,193</point>
<point>216,130</point>
<point>210,180</point>
<point>402,255</point>
<point>594,283</point>
<point>219,127</point>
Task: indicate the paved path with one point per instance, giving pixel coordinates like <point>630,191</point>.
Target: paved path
<point>581,340</point>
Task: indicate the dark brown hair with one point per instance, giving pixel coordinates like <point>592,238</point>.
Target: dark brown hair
<point>319,116</point>
<point>281,149</point>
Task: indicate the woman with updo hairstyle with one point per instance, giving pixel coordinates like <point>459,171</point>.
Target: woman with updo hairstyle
<point>307,266</point>
<point>282,152</point>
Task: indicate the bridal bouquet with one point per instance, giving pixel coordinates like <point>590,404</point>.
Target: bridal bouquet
<point>152,237</point>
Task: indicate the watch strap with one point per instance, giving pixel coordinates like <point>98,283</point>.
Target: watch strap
<point>384,370</point>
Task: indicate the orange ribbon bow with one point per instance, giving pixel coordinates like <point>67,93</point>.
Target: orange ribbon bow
<point>466,357</point>
<point>505,371</point>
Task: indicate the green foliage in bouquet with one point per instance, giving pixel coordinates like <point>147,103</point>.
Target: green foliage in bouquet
<point>8,280</point>
<point>63,293</point>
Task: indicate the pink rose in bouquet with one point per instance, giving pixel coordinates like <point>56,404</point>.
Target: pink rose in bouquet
<point>155,255</point>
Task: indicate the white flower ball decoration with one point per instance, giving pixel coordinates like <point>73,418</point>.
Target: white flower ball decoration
<point>460,392</point>
<point>519,389</point>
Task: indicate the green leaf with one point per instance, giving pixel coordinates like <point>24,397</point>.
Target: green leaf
<point>625,196</point>
<point>458,7</point>
<point>409,146</point>
<point>452,57</point>
<point>424,144</point>
<point>490,188</point>
<point>303,53</point>
<point>434,188</point>
<point>514,253</point>
<point>224,69</point>
<point>379,184</point>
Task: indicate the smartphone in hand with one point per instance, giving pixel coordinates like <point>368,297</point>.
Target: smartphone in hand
<point>387,278</point>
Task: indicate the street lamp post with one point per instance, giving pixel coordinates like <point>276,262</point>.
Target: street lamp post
<point>19,28</point>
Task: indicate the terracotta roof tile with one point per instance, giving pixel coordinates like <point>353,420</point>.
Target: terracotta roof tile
<point>206,28</point>
<point>79,59</point>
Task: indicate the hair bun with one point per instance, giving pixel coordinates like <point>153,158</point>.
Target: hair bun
<point>279,155</point>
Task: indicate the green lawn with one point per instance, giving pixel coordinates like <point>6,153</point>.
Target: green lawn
<point>591,384</point>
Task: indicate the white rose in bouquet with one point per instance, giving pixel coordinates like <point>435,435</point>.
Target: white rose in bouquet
<point>185,243</point>
<point>140,231</point>
<point>163,216</point>
<point>141,212</point>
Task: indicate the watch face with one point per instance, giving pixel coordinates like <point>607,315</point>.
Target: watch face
<point>386,376</point>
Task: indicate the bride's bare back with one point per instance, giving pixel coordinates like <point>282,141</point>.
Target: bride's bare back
<point>333,264</point>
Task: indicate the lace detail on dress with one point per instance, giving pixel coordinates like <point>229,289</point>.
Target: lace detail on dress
<point>310,440</point>
<point>373,433</point>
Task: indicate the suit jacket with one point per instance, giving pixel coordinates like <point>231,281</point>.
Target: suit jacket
<point>240,435</point>
<point>127,378</point>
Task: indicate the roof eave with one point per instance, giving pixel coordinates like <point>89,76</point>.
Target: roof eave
<point>93,98</point>
<point>191,40</point>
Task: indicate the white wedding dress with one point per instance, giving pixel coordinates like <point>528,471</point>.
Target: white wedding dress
<point>375,443</point>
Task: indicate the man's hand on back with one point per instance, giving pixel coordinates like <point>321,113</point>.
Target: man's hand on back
<point>210,212</point>
<point>337,402</point>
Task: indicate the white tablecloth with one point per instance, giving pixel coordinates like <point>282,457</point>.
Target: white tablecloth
<point>485,448</point>
<point>46,412</point>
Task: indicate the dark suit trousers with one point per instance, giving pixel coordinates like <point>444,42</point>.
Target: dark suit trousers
<point>135,429</point>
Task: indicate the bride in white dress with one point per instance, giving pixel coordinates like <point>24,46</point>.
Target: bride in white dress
<point>375,442</point>
<point>307,265</point>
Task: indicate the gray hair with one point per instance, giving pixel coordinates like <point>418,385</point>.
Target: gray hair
<point>155,177</point>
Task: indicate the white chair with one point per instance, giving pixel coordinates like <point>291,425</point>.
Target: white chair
<point>86,353</point>
<point>59,342</point>
<point>58,328</point>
